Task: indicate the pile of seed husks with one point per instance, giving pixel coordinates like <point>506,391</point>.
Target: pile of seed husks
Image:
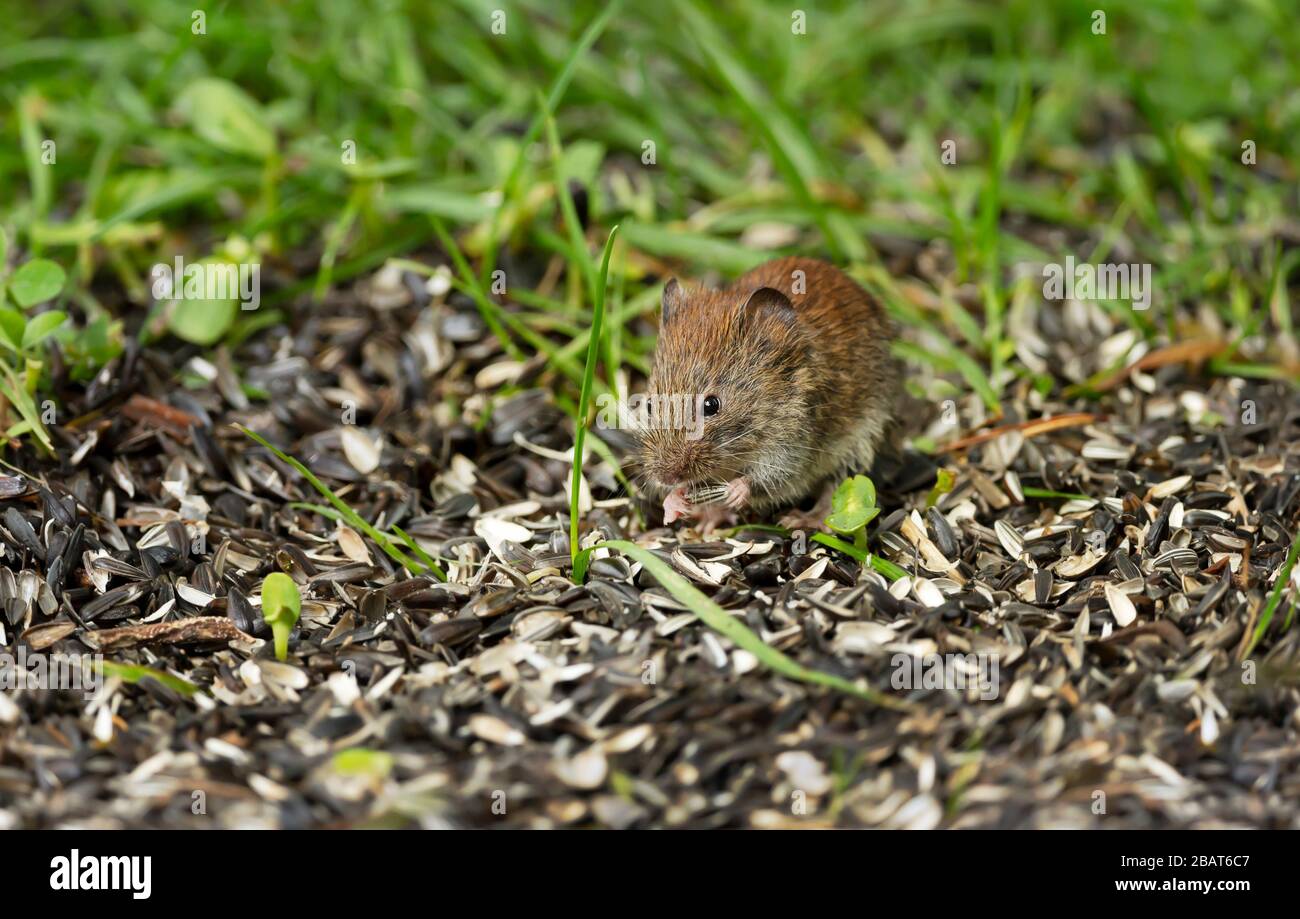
<point>1119,610</point>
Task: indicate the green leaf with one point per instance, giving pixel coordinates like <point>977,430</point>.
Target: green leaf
<point>13,325</point>
<point>581,562</point>
<point>696,248</point>
<point>854,505</point>
<point>281,606</point>
<point>718,619</point>
<point>280,598</point>
<point>581,161</point>
<point>427,198</point>
<point>227,117</point>
<point>41,327</point>
<point>197,317</point>
<point>35,282</point>
<point>89,348</point>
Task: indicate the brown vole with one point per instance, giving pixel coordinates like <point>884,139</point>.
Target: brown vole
<point>772,387</point>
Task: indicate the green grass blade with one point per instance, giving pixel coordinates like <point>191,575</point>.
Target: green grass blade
<point>1275,598</point>
<point>553,97</point>
<point>415,547</point>
<point>793,153</point>
<point>351,516</point>
<point>584,400</point>
<point>488,309</point>
<point>718,619</point>
<point>15,392</point>
<point>29,133</point>
<point>134,673</point>
<point>696,248</point>
<point>884,566</point>
<point>1031,491</point>
<point>577,242</point>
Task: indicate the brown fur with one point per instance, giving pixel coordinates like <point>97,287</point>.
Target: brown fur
<point>806,396</point>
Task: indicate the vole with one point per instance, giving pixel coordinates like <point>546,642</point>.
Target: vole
<point>765,391</point>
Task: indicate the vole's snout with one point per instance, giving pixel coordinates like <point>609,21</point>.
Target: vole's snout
<point>676,467</point>
<point>671,474</point>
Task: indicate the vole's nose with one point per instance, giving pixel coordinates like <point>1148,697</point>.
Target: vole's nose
<point>672,475</point>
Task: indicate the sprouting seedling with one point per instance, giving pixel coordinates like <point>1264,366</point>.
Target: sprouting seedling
<point>281,606</point>
<point>853,507</point>
<point>944,481</point>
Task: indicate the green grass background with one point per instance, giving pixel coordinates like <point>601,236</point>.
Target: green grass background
<point>1067,143</point>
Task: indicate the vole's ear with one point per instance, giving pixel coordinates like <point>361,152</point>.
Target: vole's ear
<point>768,301</point>
<point>673,299</point>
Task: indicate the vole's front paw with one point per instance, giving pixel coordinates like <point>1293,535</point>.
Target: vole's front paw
<point>715,517</point>
<point>737,495</point>
<point>677,505</point>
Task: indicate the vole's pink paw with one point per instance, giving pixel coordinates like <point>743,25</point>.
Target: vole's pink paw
<point>676,505</point>
<point>737,493</point>
<point>715,517</point>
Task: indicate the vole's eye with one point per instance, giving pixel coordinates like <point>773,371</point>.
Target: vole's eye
<point>711,406</point>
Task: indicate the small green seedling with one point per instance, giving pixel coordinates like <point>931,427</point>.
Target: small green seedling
<point>853,507</point>
<point>32,283</point>
<point>944,482</point>
<point>281,606</point>
<point>21,339</point>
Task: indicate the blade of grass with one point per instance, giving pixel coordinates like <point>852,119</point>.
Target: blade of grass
<point>722,622</point>
<point>885,567</point>
<point>1275,598</point>
<point>134,673</point>
<point>351,516</point>
<point>13,390</point>
<point>584,400</point>
<point>1032,492</point>
<point>792,151</point>
<point>577,241</point>
<point>415,547</point>
<point>334,241</point>
<point>330,514</point>
<point>487,308</point>
<point>553,97</point>
<point>29,105</point>
<point>697,248</point>
<point>953,359</point>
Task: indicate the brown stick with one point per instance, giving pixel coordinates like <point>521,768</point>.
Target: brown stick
<point>1191,352</point>
<point>1030,428</point>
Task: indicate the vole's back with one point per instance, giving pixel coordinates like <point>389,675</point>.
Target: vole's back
<point>853,379</point>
